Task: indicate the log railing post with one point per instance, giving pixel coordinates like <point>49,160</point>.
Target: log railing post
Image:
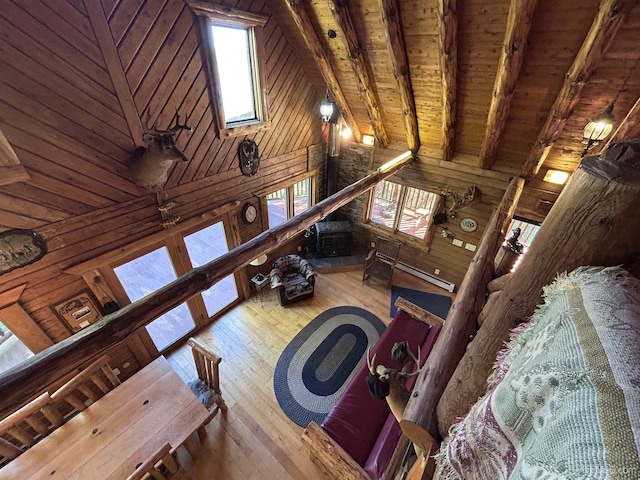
<point>595,221</point>
<point>419,419</point>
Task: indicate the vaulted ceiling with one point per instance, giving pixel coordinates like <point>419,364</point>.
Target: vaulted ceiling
<point>500,84</point>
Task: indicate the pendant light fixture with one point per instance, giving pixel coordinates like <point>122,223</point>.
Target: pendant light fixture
<point>600,126</point>
<point>328,109</point>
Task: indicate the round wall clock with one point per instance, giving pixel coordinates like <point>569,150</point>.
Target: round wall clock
<point>468,224</point>
<point>249,213</point>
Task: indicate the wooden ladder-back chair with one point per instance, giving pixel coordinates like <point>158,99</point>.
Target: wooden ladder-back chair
<point>381,260</point>
<point>26,426</point>
<point>207,386</point>
<point>90,384</point>
<point>156,465</point>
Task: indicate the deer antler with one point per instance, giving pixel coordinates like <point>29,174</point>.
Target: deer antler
<point>371,361</point>
<point>172,129</point>
<point>417,362</point>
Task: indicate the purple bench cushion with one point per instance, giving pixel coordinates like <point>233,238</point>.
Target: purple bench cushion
<point>389,436</point>
<point>357,418</point>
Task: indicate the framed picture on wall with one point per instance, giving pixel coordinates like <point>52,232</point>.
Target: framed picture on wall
<point>79,311</point>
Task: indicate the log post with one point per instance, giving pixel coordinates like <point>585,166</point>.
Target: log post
<point>419,419</point>
<point>595,221</point>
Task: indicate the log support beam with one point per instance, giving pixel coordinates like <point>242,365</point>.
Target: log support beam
<point>593,222</point>
<point>303,22</point>
<point>447,44</point>
<point>395,45</point>
<point>605,26</point>
<point>23,382</point>
<point>341,15</point>
<point>513,49</point>
<point>419,420</point>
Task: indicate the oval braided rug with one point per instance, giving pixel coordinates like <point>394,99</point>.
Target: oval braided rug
<point>316,366</point>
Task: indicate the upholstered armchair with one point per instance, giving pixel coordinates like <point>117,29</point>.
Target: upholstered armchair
<point>294,279</point>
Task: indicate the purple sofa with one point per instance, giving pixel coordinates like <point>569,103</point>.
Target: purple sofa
<point>362,425</point>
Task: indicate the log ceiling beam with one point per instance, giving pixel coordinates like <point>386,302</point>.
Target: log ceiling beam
<point>448,48</point>
<point>32,375</point>
<point>116,72</point>
<point>395,44</point>
<point>513,49</point>
<point>611,15</point>
<point>305,27</point>
<point>341,15</point>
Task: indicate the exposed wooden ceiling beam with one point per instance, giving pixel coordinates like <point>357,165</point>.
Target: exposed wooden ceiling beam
<point>448,47</point>
<point>513,49</point>
<point>341,15</point>
<point>605,26</point>
<point>114,66</point>
<point>24,381</point>
<point>400,63</point>
<point>302,21</point>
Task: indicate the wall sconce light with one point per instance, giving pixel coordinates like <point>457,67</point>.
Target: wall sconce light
<point>346,132</point>
<point>368,139</point>
<point>556,176</point>
<point>598,129</point>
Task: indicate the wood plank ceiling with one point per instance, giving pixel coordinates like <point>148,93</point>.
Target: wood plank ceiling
<point>544,66</point>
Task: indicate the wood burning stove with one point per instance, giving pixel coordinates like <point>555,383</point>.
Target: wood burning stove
<point>333,239</point>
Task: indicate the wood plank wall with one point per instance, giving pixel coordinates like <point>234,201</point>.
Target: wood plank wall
<point>60,112</point>
<point>433,175</point>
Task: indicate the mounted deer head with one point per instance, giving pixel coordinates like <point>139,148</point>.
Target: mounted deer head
<point>148,167</point>
<point>389,383</point>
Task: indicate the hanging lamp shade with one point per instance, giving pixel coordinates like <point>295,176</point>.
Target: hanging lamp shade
<point>598,128</point>
<point>327,109</point>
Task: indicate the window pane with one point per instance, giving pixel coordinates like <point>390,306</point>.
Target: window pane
<point>233,59</point>
<point>12,350</point>
<point>143,276</point>
<point>417,210</point>
<point>277,207</point>
<point>385,203</point>
<point>301,196</point>
<point>206,245</point>
<point>527,231</point>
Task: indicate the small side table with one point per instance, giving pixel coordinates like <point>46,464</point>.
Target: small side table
<point>260,282</point>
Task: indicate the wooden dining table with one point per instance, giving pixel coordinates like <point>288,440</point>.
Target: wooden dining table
<point>116,433</point>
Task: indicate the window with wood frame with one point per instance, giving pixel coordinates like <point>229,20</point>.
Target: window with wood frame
<point>287,202</point>
<point>403,209</point>
<point>235,67</point>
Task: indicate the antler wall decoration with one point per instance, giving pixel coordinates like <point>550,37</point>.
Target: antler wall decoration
<point>470,196</point>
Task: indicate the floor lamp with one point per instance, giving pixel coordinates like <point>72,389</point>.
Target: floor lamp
<point>261,260</point>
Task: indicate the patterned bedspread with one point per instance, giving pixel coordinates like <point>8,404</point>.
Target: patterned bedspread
<point>564,401</point>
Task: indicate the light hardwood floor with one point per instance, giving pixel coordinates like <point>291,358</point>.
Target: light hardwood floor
<point>255,440</point>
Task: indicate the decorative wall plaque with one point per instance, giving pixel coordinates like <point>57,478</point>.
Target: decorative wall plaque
<point>79,311</point>
<point>248,156</point>
<point>20,247</point>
